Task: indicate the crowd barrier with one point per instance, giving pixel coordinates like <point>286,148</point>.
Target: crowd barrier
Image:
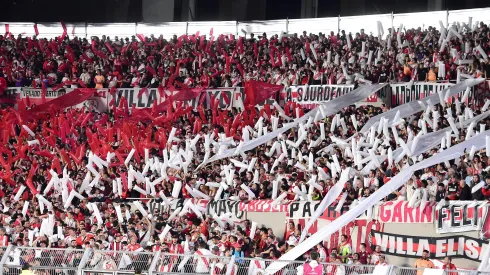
<point>270,27</point>
<point>107,262</point>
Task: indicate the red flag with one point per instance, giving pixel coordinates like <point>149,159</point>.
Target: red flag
<point>73,30</point>
<point>101,55</point>
<point>288,53</point>
<point>28,101</point>
<point>64,27</point>
<point>211,32</point>
<point>85,56</point>
<point>228,64</point>
<point>56,165</point>
<point>35,30</point>
<point>271,54</point>
<point>43,92</point>
<point>151,70</point>
<point>240,45</point>
<point>161,91</point>
<point>267,108</point>
<point>201,42</point>
<point>226,98</point>
<point>31,187</point>
<point>200,109</point>
<point>80,82</point>
<point>7,29</point>
<point>108,45</point>
<point>142,90</point>
<point>257,92</point>
<point>93,46</point>
<point>141,37</point>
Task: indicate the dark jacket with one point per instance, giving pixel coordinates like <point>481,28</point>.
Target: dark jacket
<point>465,193</point>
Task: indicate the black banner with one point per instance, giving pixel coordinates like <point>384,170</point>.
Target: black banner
<point>146,100</point>
<point>457,246</point>
<point>225,97</point>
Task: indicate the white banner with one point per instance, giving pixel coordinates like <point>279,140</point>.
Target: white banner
<point>315,94</point>
<point>461,216</point>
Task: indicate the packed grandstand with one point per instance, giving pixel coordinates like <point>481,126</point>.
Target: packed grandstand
<point>130,145</point>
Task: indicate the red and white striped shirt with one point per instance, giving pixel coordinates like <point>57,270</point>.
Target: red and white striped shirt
<point>116,246</point>
<point>4,240</point>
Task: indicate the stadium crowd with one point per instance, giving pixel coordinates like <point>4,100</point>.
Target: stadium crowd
<point>227,61</point>
<point>65,137</point>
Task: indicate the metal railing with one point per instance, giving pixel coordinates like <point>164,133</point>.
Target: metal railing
<point>56,261</point>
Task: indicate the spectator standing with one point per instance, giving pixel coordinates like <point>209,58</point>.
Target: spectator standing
<point>464,191</point>
<point>423,262</point>
<point>376,254</point>
<point>441,192</point>
<point>344,248</point>
<point>99,80</point>
<point>448,265</point>
<point>312,267</point>
<point>363,254</point>
<point>382,260</point>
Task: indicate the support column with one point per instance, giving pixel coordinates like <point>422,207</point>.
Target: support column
<point>435,5</point>
<point>158,11</point>
<point>309,8</point>
<point>188,10</point>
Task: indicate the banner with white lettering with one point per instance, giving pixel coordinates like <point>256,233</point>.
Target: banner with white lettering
<point>226,97</point>
<point>456,246</point>
<point>314,94</point>
<point>400,212</point>
<point>461,216</point>
<point>133,97</point>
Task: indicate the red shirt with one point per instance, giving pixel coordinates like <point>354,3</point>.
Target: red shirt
<point>176,248</point>
<point>79,217</point>
<point>288,234</point>
<point>363,257</point>
<point>450,267</point>
<point>134,247</point>
<point>4,240</point>
<point>81,240</point>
